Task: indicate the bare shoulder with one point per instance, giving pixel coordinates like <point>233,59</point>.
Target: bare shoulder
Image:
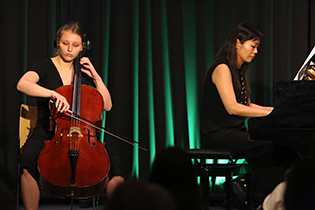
<point>221,72</point>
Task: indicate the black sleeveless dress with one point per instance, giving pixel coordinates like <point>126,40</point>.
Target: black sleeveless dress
<point>50,79</point>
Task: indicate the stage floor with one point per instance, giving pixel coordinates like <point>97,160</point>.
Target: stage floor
<point>63,205</point>
<point>50,203</point>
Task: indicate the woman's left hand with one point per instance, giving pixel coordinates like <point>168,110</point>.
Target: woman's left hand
<point>88,67</point>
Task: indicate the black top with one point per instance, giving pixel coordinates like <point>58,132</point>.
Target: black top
<point>49,78</point>
<point>215,120</point>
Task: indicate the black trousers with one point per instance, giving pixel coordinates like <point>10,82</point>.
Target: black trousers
<point>268,160</point>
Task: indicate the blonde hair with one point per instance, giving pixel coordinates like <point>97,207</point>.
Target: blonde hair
<point>74,27</point>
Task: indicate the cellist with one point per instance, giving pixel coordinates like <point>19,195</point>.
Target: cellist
<point>40,81</point>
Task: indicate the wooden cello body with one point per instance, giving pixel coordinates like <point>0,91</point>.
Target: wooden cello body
<point>74,163</point>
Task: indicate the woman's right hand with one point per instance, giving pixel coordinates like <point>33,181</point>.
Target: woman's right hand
<point>61,102</point>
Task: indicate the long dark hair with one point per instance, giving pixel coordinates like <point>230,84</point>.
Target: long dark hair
<point>243,32</point>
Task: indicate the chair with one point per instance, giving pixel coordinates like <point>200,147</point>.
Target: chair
<point>27,122</point>
<point>28,118</point>
<point>205,170</point>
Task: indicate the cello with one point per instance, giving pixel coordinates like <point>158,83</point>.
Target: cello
<point>74,163</point>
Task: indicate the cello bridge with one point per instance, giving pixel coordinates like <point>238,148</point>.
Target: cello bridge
<point>75,130</point>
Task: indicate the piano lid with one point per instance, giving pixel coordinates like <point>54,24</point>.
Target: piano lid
<point>302,73</point>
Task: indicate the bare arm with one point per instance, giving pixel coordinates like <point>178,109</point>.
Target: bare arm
<point>222,79</point>
<point>100,86</point>
<point>28,85</point>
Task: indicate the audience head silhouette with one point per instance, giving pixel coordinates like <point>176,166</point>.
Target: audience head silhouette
<point>136,195</point>
<point>173,169</point>
<point>300,190</point>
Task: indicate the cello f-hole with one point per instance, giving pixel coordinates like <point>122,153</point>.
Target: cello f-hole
<point>89,139</point>
<point>61,135</point>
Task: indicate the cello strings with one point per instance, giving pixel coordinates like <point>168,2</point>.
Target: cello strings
<point>72,115</point>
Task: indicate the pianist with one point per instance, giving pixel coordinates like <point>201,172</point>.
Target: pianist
<point>226,99</point>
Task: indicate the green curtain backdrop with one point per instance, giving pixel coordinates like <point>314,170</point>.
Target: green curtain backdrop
<point>152,55</point>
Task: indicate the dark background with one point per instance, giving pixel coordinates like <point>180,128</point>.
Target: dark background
<point>144,51</point>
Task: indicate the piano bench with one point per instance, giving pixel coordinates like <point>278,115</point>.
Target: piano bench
<point>206,170</point>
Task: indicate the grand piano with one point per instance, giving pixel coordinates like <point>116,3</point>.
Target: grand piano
<point>292,122</point>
